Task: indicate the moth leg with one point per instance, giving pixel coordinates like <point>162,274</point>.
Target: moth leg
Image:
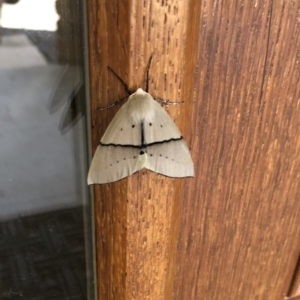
<point>114,104</point>
<point>167,102</point>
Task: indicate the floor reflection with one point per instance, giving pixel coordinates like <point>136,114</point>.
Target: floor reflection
<point>43,256</point>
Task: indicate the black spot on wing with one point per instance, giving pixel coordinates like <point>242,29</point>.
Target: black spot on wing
<point>159,156</point>
<point>124,159</point>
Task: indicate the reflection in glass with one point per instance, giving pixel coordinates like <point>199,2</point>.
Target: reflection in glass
<point>45,211</point>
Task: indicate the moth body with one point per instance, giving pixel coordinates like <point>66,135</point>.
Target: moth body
<point>140,106</point>
<point>141,135</point>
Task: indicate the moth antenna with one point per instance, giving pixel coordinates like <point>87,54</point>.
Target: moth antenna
<point>167,102</point>
<point>122,81</point>
<point>147,73</point>
<point>112,105</point>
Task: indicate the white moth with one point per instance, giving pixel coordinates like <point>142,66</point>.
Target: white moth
<point>141,135</point>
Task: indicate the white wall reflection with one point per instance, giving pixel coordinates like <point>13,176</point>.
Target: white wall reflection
<point>37,162</point>
<point>16,52</point>
<point>39,167</point>
<point>30,14</point>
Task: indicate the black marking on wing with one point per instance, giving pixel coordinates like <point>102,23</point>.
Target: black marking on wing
<point>142,133</point>
<point>143,145</point>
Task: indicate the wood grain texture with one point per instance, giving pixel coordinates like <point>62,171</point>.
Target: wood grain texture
<point>136,218</point>
<point>293,298</point>
<point>233,231</point>
<point>294,289</point>
<point>240,231</point>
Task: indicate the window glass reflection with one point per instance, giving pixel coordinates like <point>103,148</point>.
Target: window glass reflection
<point>45,212</point>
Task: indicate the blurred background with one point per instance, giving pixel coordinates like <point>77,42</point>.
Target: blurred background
<point>45,208</point>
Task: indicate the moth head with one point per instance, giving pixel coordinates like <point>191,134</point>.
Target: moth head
<point>141,106</point>
<point>140,91</point>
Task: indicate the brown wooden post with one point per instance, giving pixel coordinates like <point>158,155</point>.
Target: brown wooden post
<point>137,229</point>
<point>232,232</point>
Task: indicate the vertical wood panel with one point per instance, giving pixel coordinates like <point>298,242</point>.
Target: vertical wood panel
<point>136,218</point>
<point>240,228</point>
<point>156,29</point>
<point>108,27</point>
<point>232,232</point>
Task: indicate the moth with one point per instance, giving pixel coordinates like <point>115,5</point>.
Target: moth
<point>141,135</point>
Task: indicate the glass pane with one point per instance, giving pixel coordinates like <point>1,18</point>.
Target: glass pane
<point>45,206</point>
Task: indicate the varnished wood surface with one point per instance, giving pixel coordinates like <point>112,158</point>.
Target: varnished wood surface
<point>232,232</point>
<point>293,298</point>
<point>294,289</point>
